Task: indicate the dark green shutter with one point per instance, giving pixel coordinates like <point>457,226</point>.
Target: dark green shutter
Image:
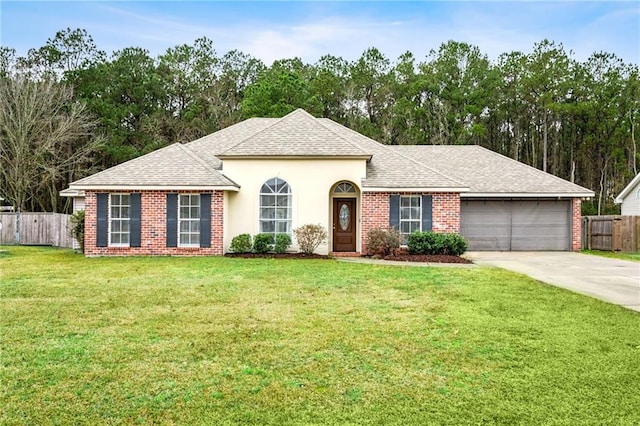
<point>205,220</point>
<point>102,225</point>
<point>135,219</point>
<point>394,211</point>
<point>172,220</point>
<point>427,214</point>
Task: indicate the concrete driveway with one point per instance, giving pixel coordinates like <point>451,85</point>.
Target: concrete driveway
<point>611,280</point>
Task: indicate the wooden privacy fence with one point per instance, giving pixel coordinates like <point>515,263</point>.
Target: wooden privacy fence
<point>51,229</point>
<point>611,233</point>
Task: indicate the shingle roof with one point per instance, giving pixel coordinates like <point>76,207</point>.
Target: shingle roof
<point>468,169</point>
<point>296,134</point>
<point>392,169</point>
<point>487,172</point>
<point>172,166</point>
<point>211,145</point>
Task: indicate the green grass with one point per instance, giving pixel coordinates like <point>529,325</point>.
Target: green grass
<point>635,257</point>
<point>259,341</point>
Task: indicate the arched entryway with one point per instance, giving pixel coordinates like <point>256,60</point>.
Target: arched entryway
<point>344,217</point>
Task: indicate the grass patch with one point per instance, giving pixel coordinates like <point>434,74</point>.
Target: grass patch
<point>267,341</point>
<point>634,257</point>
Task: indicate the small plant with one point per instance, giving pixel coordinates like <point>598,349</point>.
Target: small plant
<point>433,243</point>
<point>309,237</point>
<point>263,243</point>
<point>382,241</point>
<point>241,243</point>
<point>283,241</point>
<point>77,228</point>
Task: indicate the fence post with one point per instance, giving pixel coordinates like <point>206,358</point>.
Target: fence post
<point>16,232</point>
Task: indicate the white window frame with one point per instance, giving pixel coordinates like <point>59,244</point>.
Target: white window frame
<point>121,220</point>
<point>189,219</point>
<point>409,217</point>
<point>278,206</point>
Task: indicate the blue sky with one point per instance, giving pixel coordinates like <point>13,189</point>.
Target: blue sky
<point>309,29</point>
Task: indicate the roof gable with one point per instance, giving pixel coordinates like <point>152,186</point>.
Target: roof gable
<point>297,134</point>
<point>172,166</point>
<point>628,189</point>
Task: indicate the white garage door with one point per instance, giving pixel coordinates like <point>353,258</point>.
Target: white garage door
<point>516,225</point>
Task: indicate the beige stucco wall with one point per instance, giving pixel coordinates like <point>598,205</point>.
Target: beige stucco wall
<point>311,182</point>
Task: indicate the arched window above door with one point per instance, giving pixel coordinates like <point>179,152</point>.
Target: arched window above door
<point>344,188</point>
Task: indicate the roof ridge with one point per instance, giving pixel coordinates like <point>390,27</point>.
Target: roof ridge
<point>387,148</point>
<point>276,121</point>
<point>355,145</point>
<point>203,163</point>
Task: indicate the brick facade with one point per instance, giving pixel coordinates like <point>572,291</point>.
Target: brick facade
<point>446,212</point>
<point>153,227</point>
<point>576,221</point>
<point>375,212</point>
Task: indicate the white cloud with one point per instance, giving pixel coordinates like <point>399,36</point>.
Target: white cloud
<point>342,28</point>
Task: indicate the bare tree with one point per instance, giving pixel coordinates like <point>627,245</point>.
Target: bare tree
<point>45,136</point>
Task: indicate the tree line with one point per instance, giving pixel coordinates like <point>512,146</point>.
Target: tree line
<point>67,109</point>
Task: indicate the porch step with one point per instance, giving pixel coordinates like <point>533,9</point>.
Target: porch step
<point>345,254</point>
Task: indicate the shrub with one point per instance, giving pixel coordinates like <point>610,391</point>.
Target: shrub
<point>283,241</point>
<point>309,237</point>
<point>241,243</point>
<point>263,243</point>
<point>77,228</point>
<point>382,241</point>
<point>433,243</point>
<point>455,244</point>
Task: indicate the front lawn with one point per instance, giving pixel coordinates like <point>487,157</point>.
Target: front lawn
<point>268,341</point>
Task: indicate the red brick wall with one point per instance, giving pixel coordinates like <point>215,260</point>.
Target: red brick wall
<point>576,220</point>
<point>375,212</point>
<point>153,228</point>
<point>446,212</point>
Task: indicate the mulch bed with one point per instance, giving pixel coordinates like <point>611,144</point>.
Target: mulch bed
<point>401,257</point>
<point>277,256</point>
<point>440,258</point>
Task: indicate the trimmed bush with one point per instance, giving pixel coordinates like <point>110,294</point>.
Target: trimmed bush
<point>382,241</point>
<point>283,241</point>
<point>433,243</point>
<point>263,243</point>
<point>455,244</point>
<point>77,228</point>
<point>309,237</point>
<point>241,243</point>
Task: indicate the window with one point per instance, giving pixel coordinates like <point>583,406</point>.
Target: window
<point>344,188</point>
<point>410,215</point>
<point>119,215</point>
<point>275,207</point>
<point>189,220</point>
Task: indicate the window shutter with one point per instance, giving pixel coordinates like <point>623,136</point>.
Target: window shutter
<point>172,220</point>
<point>102,225</point>
<point>394,211</point>
<point>135,219</point>
<point>205,220</point>
<point>427,213</point>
